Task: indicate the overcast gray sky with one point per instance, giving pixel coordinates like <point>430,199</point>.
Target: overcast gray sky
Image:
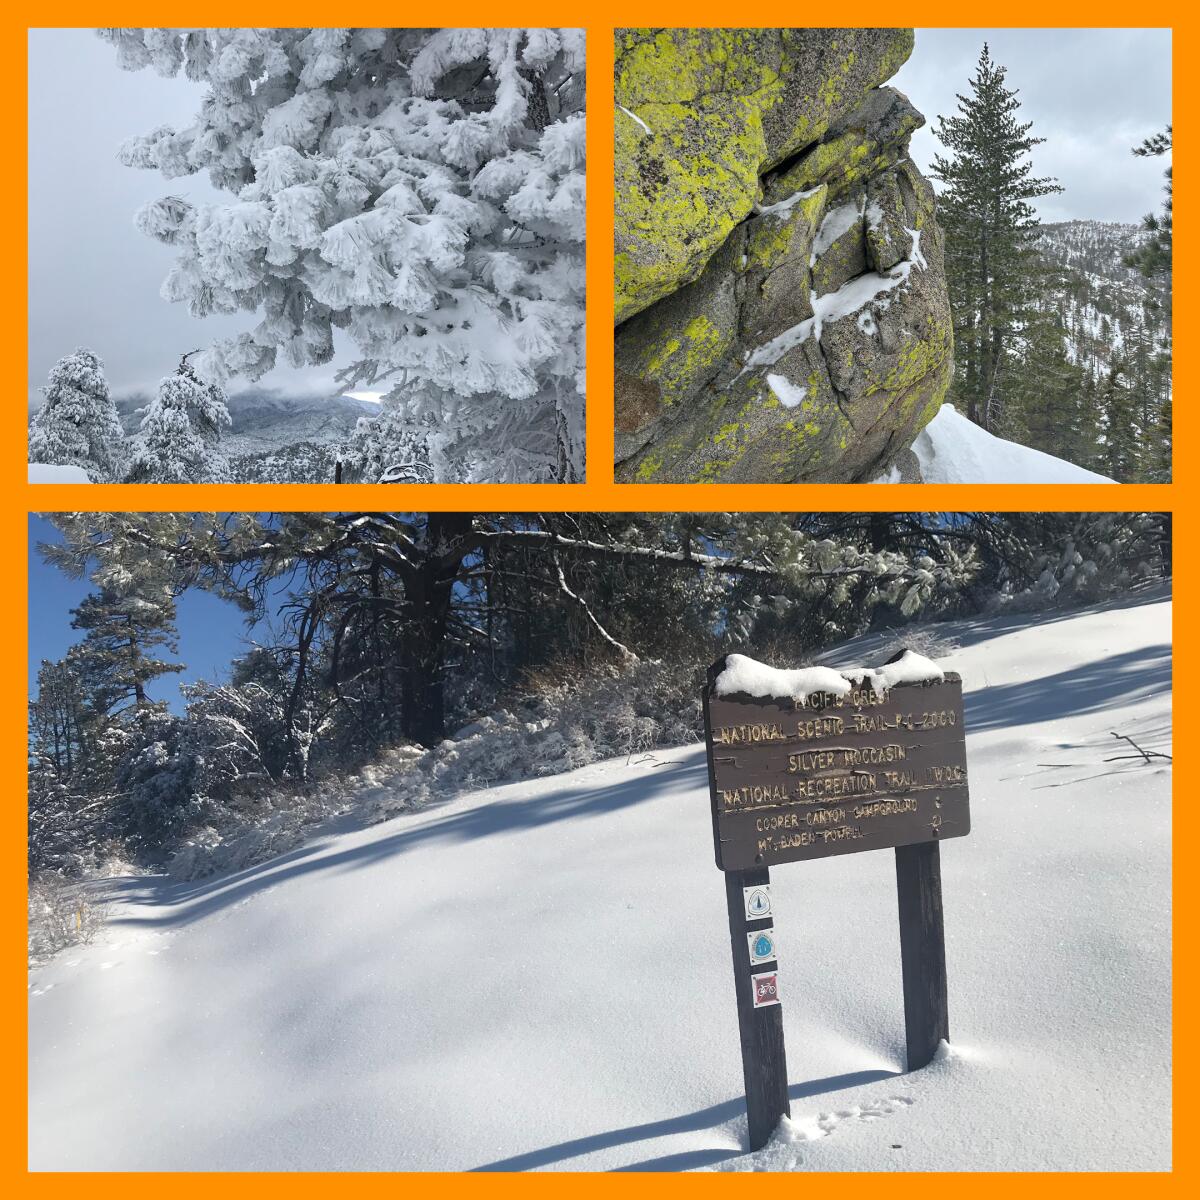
<point>1091,93</point>
<point>94,279</point>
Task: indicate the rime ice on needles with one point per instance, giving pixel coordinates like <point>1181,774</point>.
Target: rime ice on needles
<point>77,425</point>
<point>420,190</point>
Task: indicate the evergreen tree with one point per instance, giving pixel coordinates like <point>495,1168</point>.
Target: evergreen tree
<point>421,190</point>
<point>990,229</point>
<point>1153,257</point>
<point>180,435</point>
<point>1046,404</point>
<point>128,624</point>
<point>386,449</point>
<point>117,658</point>
<point>58,720</point>
<point>78,425</point>
<point>1120,452</point>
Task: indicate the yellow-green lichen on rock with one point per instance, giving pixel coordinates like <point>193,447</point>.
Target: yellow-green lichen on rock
<point>700,115</point>
<point>782,307</point>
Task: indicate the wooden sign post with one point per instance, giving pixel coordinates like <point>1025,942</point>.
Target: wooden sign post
<point>866,765</point>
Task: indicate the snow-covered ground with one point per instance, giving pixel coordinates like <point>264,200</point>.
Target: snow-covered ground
<point>953,449</point>
<point>538,975</point>
<point>47,473</point>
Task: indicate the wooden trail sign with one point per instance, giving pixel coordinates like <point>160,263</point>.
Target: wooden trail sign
<point>874,767</point>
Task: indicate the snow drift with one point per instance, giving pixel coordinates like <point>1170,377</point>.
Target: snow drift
<point>953,449</point>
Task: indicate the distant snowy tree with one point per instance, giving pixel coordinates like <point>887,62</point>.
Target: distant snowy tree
<point>179,439</point>
<point>422,190</point>
<point>78,425</point>
<point>385,449</point>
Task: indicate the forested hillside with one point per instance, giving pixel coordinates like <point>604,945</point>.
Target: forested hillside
<point>374,636</point>
<point>1114,325</point>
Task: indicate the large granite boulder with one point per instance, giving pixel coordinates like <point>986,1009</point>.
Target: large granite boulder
<point>781,301</point>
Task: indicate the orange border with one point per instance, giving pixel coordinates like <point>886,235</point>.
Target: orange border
<point>17,498</point>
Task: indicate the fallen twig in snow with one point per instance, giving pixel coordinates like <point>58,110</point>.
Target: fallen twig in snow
<point>1146,754</point>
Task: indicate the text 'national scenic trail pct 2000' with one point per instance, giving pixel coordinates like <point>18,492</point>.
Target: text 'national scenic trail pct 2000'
<point>794,780</point>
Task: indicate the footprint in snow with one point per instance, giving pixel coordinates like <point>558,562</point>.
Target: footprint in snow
<point>811,1129</point>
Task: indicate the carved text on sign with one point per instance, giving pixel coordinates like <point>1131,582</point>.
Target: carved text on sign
<point>830,774</point>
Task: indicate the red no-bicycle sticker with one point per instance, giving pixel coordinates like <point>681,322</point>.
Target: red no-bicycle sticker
<point>765,988</point>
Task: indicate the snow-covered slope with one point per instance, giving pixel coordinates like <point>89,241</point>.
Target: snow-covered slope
<point>1104,305</point>
<point>538,976</point>
<point>953,449</point>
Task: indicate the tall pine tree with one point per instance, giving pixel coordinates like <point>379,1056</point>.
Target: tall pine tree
<point>990,228</point>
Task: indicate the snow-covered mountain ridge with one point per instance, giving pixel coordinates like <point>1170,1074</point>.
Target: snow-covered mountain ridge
<point>1106,307</point>
<point>276,437</point>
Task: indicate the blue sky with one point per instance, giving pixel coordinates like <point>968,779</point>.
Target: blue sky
<point>211,630</point>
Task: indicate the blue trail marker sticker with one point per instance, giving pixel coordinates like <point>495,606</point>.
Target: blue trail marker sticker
<point>762,946</point>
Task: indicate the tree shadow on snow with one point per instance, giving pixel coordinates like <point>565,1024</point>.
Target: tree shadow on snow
<point>190,902</point>
<point>706,1118</point>
<point>1088,687</point>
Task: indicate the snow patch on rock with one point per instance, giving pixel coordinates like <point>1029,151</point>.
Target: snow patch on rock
<point>635,117</point>
<point>786,392</point>
<point>850,298</point>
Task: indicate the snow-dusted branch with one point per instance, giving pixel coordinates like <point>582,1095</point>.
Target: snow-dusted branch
<point>591,616</point>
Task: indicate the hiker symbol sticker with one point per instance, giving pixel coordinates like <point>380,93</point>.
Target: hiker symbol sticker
<point>757,901</point>
<point>762,946</point>
<point>765,988</point>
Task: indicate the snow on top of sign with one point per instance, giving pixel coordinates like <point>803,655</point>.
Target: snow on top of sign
<point>747,675</point>
<point>910,667</point>
<point>742,674</point>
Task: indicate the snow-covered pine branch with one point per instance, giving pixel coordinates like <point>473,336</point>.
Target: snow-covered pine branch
<point>420,190</point>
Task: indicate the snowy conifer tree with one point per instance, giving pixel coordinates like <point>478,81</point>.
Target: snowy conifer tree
<point>384,449</point>
<point>78,426</point>
<point>423,190</point>
<point>179,439</point>
<point>991,229</point>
